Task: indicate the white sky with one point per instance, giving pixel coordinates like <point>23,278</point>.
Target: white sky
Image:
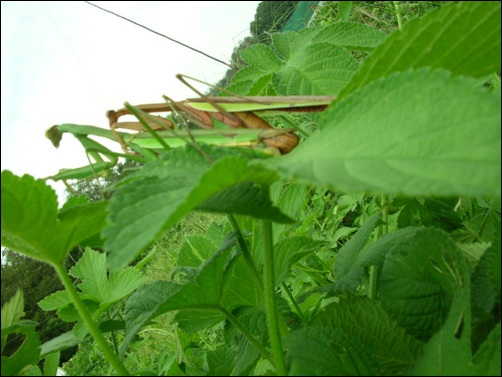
<point>69,62</point>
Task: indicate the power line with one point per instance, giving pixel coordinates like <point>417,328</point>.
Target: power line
<point>162,35</point>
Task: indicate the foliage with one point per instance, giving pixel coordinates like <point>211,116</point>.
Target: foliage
<point>25,359</point>
<point>270,18</point>
<point>384,258</point>
<point>96,189</point>
<point>36,280</point>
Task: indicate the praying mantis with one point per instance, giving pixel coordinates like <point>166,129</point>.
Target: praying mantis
<point>155,133</point>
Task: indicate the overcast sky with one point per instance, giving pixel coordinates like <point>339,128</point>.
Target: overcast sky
<point>69,62</point>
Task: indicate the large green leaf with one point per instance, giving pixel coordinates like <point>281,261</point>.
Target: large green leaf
<point>165,190</point>
<point>404,135</point>
<point>421,274</point>
<point>351,35</point>
<point>321,68</point>
<point>31,224</point>
<point>326,351</point>
<point>314,61</point>
<point>448,352</point>
<point>366,321</point>
<point>462,38</point>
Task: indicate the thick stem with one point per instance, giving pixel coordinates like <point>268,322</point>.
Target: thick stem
<point>93,329</point>
<point>245,250</point>
<point>272,316</point>
<point>398,15</point>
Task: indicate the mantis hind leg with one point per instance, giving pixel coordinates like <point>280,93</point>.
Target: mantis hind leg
<point>285,143</point>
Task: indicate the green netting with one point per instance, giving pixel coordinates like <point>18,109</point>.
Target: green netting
<point>301,16</point>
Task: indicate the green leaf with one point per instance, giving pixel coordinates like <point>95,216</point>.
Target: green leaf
<point>348,269</point>
<point>487,359</point>
<point>51,364</point>
<point>292,199</point>
<point>421,273</point>
<point>448,352</point>
<point>325,351</point>
<point>201,293</point>
<point>284,43</point>
<point>261,56</point>
<point>344,9</point>
<point>255,321</point>
<point>29,207</point>
<point>442,215</point>
<point>351,35</point>
<point>366,321</point>
<point>181,180</point>
<point>255,78</point>
<point>484,292</point>
<point>91,269</point>
<point>31,225</point>
<point>191,321</point>
<point>32,370</point>
<point>244,198</point>
<point>59,343</point>
<point>241,88</point>
<point>143,305</point>
<point>221,361</point>
<point>13,310</point>
<point>73,201</point>
<point>290,250</point>
<point>462,38</point>
<point>194,251</point>
<point>318,69</point>
<point>410,139</point>
<point>27,354</point>
<point>240,288</point>
<point>55,301</point>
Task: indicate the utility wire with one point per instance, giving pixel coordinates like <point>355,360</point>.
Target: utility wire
<point>162,35</point>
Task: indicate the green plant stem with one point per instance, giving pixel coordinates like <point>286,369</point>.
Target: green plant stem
<point>381,230</point>
<point>293,301</point>
<point>271,310</point>
<point>93,329</point>
<point>398,15</point>
<point>114,338</point>
<point>234,321</point>
<point>245,250</point>
<point>373,285</point>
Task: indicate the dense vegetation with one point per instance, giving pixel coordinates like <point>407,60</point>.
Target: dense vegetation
<point>383,257</point>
